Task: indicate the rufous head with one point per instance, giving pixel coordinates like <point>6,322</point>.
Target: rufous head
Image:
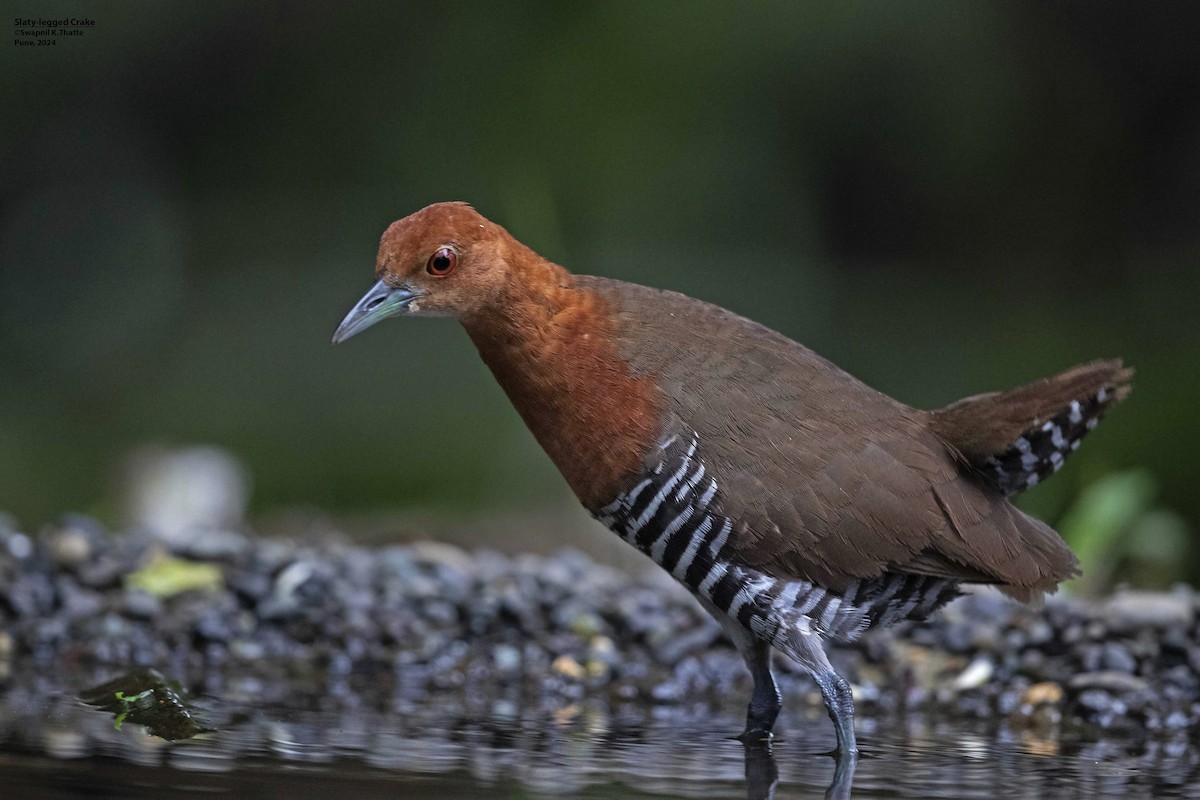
<point>445,260</point>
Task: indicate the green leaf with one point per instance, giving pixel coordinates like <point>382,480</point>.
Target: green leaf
<point>168,576</point>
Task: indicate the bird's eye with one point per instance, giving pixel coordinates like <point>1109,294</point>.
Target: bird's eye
<point>441,262</point>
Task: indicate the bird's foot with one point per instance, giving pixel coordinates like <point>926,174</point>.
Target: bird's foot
<point>755,735</point>
<point>839,753</point>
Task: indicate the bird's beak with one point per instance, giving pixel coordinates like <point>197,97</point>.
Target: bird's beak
<point>381,302</point>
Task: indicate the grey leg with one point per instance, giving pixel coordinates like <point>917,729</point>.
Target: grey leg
<point>765,701</point>
<point>840,705</point>
<point>834,690</point>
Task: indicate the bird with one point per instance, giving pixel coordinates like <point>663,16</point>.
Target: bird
<point>797,504</point>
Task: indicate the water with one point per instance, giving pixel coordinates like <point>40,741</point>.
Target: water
<point>60,747</point>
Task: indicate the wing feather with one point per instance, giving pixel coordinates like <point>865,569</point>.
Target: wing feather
<point>827,479</point>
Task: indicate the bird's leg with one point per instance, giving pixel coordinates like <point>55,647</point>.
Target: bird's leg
<point>839,702</point>
<point>840,705</point>
<point>764,701</point>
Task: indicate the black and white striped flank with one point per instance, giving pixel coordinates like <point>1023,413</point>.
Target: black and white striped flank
<point>671,516</point>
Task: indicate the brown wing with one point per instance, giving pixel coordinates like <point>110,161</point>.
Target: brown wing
<point>826,479</point>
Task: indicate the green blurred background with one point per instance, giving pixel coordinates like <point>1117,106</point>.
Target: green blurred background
<point>943,197</point>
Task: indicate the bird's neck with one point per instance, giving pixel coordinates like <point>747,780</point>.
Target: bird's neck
<point>550,345</point>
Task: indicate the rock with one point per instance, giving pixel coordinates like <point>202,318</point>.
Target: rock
<point>585,624</point>
<point>17,545</point>
<point>305,582</point>
<point>213,544</point>
<point>1040,632</point>
<point>75,601</point>
<point>104,572</point>
<point>1042,694</point>
<point>30,595</point>
<point>69,547</point>
<point>506,658</point>
<point>1129,611</point>
<point>1116,657</point>
<point>977,673</point>
<point>440,554</point>
<point>213,626</point>
<point>141,605</point>
<point>671,647</point>
<point>1116,682</point>
<point>6,651</point>
<point>175,493</point>
<point>247,650</point>
<point>569,668</point>
<point>1097,700</point>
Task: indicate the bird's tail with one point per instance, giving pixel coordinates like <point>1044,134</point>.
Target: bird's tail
<point>1017,438</point>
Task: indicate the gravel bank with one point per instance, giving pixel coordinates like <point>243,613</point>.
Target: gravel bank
<point>334,625</point>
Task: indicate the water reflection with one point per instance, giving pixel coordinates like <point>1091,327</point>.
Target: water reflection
<point>624,751</point>
<point>761,771</point>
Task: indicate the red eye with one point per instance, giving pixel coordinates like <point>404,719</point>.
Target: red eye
<point>441,262</point>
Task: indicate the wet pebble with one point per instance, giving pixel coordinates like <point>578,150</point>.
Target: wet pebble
<point>1129,611</point>
<point>1108,681</point>
<point>1116,657</point>
<point>140,604</point>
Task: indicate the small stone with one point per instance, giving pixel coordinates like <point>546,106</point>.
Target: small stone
<point>1032,663</point>
<point>253,586</point>
<point>213,626</point>
<point>76,602</point>
<point>1090,656</point>
<point>441,554</point>
<point>1129,611</point>
<point>601,648</point>
<point>104,572</point>
<point>670,647</point>
<point>1040,632</point>
<point>586,624</point>
<point>6,650</point>
<point>213,544</point>
<point>70,547</point>
<point>1117,658</point>
<point>291,578</point>
<point>569,668</point>
<point>1103,704</point>
<point>247,650</point>
<point>1176,720</point>
<point>1108,681</point>
<point>19,546</point>
<point>140,604</point>
<point>506,658</point>
<point>670,691</point>
<point>30,595</point>
<point>598,670</point>
<point>1045,693</point>
<point>977,673</point>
